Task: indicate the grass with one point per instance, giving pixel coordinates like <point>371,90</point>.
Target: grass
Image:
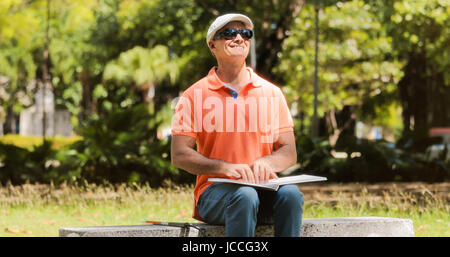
<point>427,205</point>
<point>40,210</point>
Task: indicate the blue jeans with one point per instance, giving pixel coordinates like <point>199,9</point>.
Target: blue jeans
<point>240,208</point>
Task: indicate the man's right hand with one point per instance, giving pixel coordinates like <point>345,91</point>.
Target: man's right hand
<point>242,171</point>
<point>184,156</point>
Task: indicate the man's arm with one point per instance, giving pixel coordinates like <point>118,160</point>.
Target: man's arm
<point>284,157</point>
<point>184,156</point>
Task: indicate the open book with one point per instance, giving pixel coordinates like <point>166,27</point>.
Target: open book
<point>274,184</point>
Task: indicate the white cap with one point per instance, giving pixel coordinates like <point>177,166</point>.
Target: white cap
<point>224,20</point>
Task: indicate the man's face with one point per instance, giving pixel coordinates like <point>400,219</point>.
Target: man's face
<point>237,47</point>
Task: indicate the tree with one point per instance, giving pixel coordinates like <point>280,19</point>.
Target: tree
<point>22,41</point>
<point>353,63</point>
<point>17,67</point>
<point>420,36</point>
<point>142,70</point>
<point>114,27</point>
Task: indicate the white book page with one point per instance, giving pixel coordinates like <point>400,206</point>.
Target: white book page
<point>270,186</point>
<point>296,179</point>
<point>273,184</point>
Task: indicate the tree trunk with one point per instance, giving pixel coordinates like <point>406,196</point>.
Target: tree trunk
<point>10,121</point>
<point>86,101</point>
<point>414,93</point>
<point>338,123</point>
<point>273,32</point>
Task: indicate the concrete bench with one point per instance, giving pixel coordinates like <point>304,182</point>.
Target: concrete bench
<point>323,227</point>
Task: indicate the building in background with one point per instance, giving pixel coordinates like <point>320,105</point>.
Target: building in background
<point>57,120</point>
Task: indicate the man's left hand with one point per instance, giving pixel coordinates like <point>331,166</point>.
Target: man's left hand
<point>263,171</point>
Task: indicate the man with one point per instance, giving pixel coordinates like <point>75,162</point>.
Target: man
<point>235,119</point>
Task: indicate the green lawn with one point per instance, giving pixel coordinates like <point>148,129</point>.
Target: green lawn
<point>40,210</point>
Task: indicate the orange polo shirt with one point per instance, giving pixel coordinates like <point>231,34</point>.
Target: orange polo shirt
<point>236,127</point>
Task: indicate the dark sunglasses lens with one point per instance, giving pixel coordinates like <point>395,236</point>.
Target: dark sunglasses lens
<point>231,33</point>
<point>246,33</point>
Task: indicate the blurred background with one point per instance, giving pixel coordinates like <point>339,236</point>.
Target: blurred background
<point>88,87</point>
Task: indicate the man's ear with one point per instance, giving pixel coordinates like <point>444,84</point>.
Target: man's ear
<point>212,47</point>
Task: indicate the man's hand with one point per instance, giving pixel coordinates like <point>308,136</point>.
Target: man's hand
<point>184,156</point>
<point>262,171</point>
<point>239,171</point>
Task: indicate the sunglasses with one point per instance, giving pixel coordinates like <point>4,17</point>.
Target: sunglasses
<point>230,33</point>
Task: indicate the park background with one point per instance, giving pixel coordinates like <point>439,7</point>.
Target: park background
<point>88,88</point>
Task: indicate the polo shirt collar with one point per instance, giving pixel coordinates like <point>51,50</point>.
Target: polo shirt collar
<point>215,83</point>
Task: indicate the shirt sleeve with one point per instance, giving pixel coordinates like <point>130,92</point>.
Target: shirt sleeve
<point>183,120</point>
<point>286,123</point>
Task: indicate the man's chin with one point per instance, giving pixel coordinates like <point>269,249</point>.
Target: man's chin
<point>242,54</point>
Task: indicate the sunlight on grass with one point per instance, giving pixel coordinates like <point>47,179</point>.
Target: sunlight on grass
<point>40,210</point>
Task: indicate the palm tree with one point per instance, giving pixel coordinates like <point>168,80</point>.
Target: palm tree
<point>143,68</point>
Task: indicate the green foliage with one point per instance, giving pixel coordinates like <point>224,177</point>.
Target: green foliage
<point>174,24</point>
<point>121,147</point>
<point>19,165</point>
<point>421,26</point>
<point>18,67</point>
<point>376,161</point>
<point>381,57</point>
<point>353,68</point>
<point>420,36</point>
<point>142,67</point>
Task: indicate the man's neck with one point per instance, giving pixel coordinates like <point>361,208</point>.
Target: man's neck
<point>234,74</point>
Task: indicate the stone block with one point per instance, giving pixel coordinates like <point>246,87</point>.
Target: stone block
<point>321,227</point>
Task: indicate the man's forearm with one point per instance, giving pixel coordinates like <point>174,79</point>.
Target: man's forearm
<point>195,163</point>
<point>281,159</point>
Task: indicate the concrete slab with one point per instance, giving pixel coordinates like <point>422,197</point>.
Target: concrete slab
<point>323,227</point>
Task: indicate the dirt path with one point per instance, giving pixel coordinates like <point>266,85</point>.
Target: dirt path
<point>353,191</point>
